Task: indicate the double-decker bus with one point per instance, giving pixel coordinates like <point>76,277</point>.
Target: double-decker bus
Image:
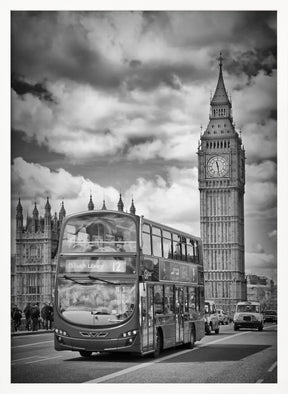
<point>126,284</point>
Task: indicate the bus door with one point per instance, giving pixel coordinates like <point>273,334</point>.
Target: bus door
<point>179,309</point>
<point>147,313</point>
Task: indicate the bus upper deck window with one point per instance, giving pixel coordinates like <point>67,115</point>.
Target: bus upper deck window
<point>183,248</point>
<point>146,237</point>
<point>156,242</point>
<point>190,251</point>
<point>167,244</point>
<point>176,246</point>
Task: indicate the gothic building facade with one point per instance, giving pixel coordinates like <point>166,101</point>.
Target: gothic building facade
<point>33,267</point>
<point>221,178</point>
<point>33,271</point>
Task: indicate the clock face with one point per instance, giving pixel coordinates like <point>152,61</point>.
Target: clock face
<point>217,166</point>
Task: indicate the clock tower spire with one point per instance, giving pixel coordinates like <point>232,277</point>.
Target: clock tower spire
<point>221,167</point>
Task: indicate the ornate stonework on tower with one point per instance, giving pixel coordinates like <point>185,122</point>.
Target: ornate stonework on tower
<point>221,168</point>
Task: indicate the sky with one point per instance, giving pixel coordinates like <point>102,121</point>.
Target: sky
<point>110,102</point>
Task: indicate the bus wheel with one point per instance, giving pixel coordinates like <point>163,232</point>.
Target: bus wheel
<point>85,353</point>
<point>208,329</point>
<point>191,343</point>
<point>157,349</point>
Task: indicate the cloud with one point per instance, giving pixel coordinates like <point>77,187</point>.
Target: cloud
<point>254,106</point>
<point>174,202</point>
<point>103,124</point>
<point>261,172</point>
<point>120,76</point>
<point>99,48</point>
<point>35,182</point>
<point>261,200</point>
<point>273,234</point>
<point>261,190</point>
<point>261,263</point>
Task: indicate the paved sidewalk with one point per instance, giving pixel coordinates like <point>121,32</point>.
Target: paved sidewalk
<point>40,331</point>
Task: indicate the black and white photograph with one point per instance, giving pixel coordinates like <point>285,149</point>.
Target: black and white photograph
<point>144,179</point>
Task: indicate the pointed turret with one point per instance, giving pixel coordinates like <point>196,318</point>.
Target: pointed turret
<point>220,95</point>
<point>47,218</point>
<point>19,210</point>
<point>35,211</point>
<point>62,212</point>
<point>19,217</point>
<point>55,223</point>
<point>221,121</point>
<point>120,204</point>
<point>47,208</point>
<point>35,219</point>
<point>104,206</point>
<point>132,208</point>
<point>90,204</point>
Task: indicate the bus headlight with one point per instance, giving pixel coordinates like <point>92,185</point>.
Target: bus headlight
<point>129,334</point>
<point>61,332</point>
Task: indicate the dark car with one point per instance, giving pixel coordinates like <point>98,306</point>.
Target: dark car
<point>270,316</point>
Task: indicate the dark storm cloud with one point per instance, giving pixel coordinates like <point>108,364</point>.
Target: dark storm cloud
<point>67,45</point>
<point>135,63</point>
<point>43,47</point>
<point>20,86</point>
<point>252,62</point>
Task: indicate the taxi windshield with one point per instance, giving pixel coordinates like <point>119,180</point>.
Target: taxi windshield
<point>248,308</point>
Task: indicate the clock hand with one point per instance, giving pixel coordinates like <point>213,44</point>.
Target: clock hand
<point>217,166</point>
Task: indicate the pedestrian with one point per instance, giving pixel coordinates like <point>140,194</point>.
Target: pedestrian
<point>45,314</point>
<point>27,312</point>
<point>35,315</point>
<point>51,315</point>
<point>16,317</point>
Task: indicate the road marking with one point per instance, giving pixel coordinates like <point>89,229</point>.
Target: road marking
<point>149,364</point>
<point>31,344</point>
<point>272,367</point>
<point>21,359</point>
<point>269,370</point>
<point>43,359</point>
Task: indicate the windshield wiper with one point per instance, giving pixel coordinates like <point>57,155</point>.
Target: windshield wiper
<point>101,280</point>
<point>76,281</point>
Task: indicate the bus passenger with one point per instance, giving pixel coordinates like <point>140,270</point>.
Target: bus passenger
<point>167,309</point>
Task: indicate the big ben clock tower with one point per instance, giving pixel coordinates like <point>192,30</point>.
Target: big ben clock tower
<point>221,168</point>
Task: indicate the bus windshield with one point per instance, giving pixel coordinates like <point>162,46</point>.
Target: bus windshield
<point>105,233</point>
<point>95,301</point>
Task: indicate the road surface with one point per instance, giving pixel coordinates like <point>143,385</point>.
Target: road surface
<point>245,356</point>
